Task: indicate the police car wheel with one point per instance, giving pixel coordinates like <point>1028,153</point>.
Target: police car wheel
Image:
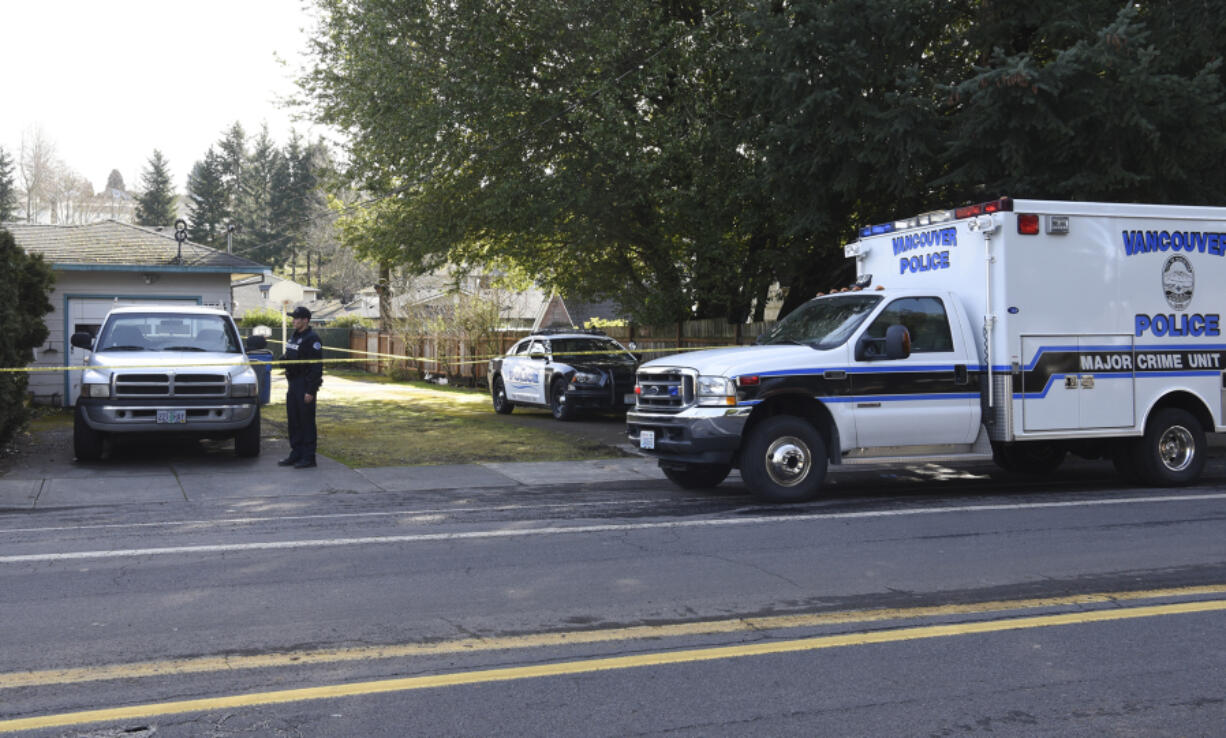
<point>502,405</point>
<point>247,440</point>
<point>697,476</point>
<point>1172,451</point>
<point>557,401</point>
<point>784,459</point>
<point>86,442</point>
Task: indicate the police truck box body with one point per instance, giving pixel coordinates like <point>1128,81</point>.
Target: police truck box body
<point>1014,330</point>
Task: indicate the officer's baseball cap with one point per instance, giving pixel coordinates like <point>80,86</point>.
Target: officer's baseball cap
<point>301,312</point>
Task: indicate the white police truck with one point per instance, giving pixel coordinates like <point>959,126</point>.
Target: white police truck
<point>1012,330</point>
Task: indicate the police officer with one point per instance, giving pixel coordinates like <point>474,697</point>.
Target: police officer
<point>304,381</point>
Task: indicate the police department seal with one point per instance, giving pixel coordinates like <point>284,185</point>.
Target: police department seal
<point>1177,282</point>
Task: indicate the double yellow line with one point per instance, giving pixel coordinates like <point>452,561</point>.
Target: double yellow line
<point>584,666</point>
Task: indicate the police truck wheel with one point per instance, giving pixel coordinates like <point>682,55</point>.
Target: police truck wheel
<point>784,459</point>
<point>697,476</point>
<point>86,442</point>
<point>1172,451</point>
<point>502,405</point>
<point>557,401</point>
<point>247,441</point>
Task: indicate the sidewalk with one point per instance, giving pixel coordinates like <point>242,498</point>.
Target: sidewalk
<point>52,479</point>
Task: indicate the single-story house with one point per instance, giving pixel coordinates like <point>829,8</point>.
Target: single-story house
<point>102,265</point>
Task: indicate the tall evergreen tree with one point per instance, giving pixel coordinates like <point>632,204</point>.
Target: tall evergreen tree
<point>207,206</point>
<point>260,177</point>
<point>8,188</point>
<point>156,204</point>
<point>114,181</point>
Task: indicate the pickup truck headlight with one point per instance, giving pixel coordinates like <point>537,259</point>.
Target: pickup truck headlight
<point>243,390</point>
<point>95,389</point>
<point>716,391</point>
<point>585,378</point>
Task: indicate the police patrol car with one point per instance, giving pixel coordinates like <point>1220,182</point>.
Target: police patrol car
<point>1012,330</point>
<point>563,370</point>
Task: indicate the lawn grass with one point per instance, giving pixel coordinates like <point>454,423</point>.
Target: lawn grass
<point>432,426</point>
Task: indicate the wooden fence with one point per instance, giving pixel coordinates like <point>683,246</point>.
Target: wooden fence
<point>464,363</point>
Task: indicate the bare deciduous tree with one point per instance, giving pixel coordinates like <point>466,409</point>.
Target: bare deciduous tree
<point>36,165</point>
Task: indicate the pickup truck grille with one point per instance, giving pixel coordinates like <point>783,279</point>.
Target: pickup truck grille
<point>147,385</point>
<point>666,391</point>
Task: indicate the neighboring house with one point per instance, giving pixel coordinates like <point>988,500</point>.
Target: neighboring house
<point>102,265</point>
<point>435,294</point>
<point>558,313</point>
<point>251,293</point>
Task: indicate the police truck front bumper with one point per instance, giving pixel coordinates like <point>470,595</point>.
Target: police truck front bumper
<point>697,435</point>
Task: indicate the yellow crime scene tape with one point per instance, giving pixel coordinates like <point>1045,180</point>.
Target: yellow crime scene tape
<point>364,357</point>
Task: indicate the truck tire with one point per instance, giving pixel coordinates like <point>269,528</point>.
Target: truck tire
<point>247,440</point>
<point>696,476</point>
<point>1172,451</point>
<point>784,459</point>
<point>86,442</point>
<point>557,401</point>
<point>502,405</point>
<point>1029,458</point>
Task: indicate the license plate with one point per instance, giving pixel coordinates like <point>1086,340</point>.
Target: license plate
<point>172,416</point>
<point>630,398</point>
<point>647,439</point>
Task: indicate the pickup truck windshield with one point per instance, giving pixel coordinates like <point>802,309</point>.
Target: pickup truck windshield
<point>168,332</point>
<point>823,323</point>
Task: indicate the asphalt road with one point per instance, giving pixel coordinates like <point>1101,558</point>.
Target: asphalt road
<point>935,602</point>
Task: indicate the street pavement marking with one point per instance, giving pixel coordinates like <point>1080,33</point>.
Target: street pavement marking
<point>208,664</point>
<point>587,666</point>
<point>571,530</point>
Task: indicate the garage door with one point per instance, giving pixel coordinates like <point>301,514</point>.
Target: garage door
<point>87,313</point>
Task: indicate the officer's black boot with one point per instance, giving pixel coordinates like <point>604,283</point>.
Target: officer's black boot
<point>305,463</point>
<point>288,461</point>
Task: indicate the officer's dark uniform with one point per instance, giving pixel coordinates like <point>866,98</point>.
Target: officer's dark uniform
<point>304,379</point>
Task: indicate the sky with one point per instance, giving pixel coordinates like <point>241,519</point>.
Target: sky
<point>109,82</point>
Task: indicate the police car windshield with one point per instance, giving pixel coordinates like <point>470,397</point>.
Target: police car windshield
<point>580,349</point>
<point>824,323</point>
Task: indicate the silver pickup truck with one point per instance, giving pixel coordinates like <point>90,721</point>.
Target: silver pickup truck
<point>155,370</point>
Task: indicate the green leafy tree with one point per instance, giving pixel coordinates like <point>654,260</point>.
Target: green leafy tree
<point>8,187</point>
<point>207,206</point>
<point>23,303</point>
<point>155,205</point>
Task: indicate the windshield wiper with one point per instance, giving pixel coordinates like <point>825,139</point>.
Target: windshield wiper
<point>123,348</point>
<point>793,342</point>
<point>182,348</point>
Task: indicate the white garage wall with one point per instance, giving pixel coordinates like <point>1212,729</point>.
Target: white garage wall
<point>82,296</point>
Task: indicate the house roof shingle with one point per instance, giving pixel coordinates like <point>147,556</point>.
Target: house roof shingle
<point>114,244</point>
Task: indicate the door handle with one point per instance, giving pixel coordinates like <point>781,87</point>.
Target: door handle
<point>960,374</point>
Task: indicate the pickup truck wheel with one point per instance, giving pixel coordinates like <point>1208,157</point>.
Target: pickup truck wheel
<point>697,476</point>
<point>557,401</point>
<point>784,459</point>
<point>86,442</point>
<point>1030,458</point>
<point>247,441</point>
<point>1172,451</point>
<point>502,405</point>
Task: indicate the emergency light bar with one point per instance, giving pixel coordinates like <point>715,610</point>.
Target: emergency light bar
<point>1004,204</point>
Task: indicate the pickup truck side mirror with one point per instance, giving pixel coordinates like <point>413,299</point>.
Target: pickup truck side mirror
<point>895,345</point>
<point>257,343</point>
<point>536,355</point>
<point>82,340</point>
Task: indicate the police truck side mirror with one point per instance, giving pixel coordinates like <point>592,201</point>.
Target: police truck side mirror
<point>895,345</point>
<point>257,343</point>
<point>82,340</point>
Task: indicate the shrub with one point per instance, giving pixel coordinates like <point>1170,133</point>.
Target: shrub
<point>23,303</point>
<point>352,320</point>
<point>261,316</point>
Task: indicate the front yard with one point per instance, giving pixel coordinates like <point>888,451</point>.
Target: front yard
<point>366,421</point>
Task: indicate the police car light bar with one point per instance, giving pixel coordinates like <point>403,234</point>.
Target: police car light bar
<point>1004,204</point>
